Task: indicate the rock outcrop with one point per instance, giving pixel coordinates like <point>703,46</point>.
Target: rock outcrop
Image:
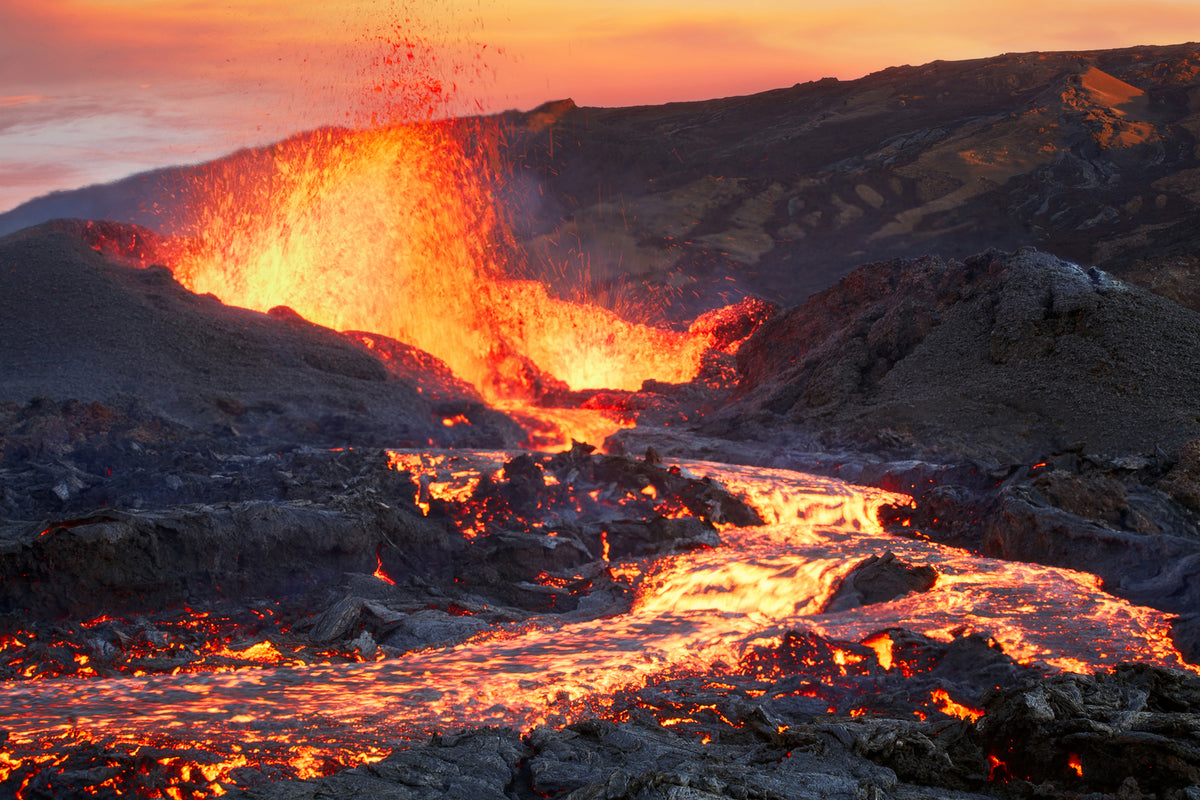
<point>1003,357</point>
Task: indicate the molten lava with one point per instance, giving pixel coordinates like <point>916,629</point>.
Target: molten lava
<point>693,612</point>
<point>393,231</point>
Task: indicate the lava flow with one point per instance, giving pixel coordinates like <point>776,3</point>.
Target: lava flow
<point>712,610</point>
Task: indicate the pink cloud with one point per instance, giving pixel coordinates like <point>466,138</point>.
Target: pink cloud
<point>22,100</point>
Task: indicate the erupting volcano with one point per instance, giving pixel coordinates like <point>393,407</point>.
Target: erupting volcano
<point>336,485</point>
<point>394,232</point>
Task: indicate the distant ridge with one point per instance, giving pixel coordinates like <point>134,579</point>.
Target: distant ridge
<point>1091,156</point>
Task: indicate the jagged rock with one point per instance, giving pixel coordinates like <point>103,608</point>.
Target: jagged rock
<point>338,620</point>
<point>433,628</point>
<point>1100,498</point>
<point>1183,481</point>
<point>593,760</point>
<point>1185,633</point>
<point>516,554</point>
<point>732,324</point>
<point>659,536</point>
<point>365,645</point>
<point>1002,357</point>
<point>1015,522</point>
<point>878,579</point>
<point>235,526</point>
<point>476,765</point>
<point>939,753</point>
<point>1135,722</point>
<point>133,561</point>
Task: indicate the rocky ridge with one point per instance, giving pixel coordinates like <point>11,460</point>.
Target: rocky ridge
<point>1007,357</point>
<point>83,324</point>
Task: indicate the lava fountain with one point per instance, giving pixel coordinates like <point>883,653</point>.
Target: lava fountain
<point>394,231</point>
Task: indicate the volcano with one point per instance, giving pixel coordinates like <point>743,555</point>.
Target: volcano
<point>839,441</point>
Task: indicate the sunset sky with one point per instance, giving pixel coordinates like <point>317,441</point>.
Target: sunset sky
<point>93,90</point>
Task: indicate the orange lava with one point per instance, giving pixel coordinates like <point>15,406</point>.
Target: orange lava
<point>948,706</point>
<point>882,644</point>
<point>692,612</point>
<point>393,230</point>
<point>379,573</point>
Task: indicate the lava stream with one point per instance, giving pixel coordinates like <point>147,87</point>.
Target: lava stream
<point>693,610</point>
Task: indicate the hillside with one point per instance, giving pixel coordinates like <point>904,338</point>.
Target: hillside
<point>80,327</point>
<point>1090,156</point>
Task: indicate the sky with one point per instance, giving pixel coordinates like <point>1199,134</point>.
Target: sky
<point>94,90</point>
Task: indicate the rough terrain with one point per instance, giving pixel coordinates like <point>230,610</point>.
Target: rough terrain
<point>166,457</point>
<point>82,326</point>
<point>1008,357</point>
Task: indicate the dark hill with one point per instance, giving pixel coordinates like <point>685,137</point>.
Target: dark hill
<point>79,326</point>
<point>1010,358</point>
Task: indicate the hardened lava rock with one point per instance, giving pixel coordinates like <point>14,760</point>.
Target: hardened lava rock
<point>1095,733</point>
<point>877,580</point>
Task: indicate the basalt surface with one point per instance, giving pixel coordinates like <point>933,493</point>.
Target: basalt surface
<point>1008,357</point>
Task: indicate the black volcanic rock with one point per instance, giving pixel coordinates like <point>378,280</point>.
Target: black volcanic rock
<point>77,325</point>
<point>1133,722</point>
<point>877,580</point>
<point>1005,357</point>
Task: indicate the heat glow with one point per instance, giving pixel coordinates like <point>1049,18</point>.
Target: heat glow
<point>393,230</point>
<point>692,612</point>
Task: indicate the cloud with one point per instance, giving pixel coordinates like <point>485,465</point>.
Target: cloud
<point>22,100</point>
<point>133,42</point>
<point>21,180</point>
<point>104,85</point>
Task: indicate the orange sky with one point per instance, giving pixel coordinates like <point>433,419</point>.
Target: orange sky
<point>92,90</point>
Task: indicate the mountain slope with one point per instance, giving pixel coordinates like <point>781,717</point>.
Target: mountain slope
<point>1006,357</point>
<point>79,326</point>
<point>1091,156</point>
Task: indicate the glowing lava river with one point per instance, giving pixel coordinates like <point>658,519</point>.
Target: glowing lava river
<point>694,613</point>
